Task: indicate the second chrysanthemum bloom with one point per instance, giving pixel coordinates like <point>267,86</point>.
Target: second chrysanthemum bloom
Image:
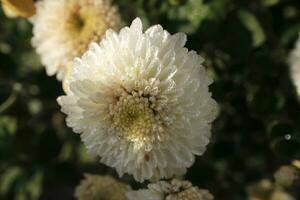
<point>63,29</point>
<point>173,190</point>
<point>141,102</point>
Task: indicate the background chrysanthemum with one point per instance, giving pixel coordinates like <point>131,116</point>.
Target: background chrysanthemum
<point>141,102</point>
<point>284,187</point>
<point>287,176</point>
<point>95,187</point>
<point>295,65</point>
<point>18,8</point>
<point>174,190</point>
<point>266,190</point>
<point>63,29</point>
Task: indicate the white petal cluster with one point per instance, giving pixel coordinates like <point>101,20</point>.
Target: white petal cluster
<point>174,190</point>
<point>141,102</point>
<point>63,29</point>
<point>295,66</point>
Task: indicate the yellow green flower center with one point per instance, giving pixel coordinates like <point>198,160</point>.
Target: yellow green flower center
<point>83,25</point>
<point>133,118</point>
<point>76,24</point>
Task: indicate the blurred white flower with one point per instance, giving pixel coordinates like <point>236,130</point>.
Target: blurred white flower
<point>18,8</point>
<point>266,190</point>
<point>141,102</point>
<point>174,190</point>
<point>101,187</point>
<point>63,29</point>
<point>281,195</point>
<point>296,163</point>
<point>287,176</point>
<point>295,66</point>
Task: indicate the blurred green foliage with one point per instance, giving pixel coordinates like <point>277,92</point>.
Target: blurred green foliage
<point>245,44</point>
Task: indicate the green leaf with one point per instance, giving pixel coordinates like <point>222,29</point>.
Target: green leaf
<point>270,2</point>
<point>290,34</point>
<point>34,186</point>
<point>66,152</point>
<point>83,156</point>
<point>189,16</point>
<point>253,25</point>
<point>8,178</point>
<point>8,125</point>
<point>177,2</point>
<point>219,9</point>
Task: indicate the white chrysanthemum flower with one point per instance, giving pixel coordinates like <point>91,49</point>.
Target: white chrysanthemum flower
<point>141,102</point>
<point>101,187</point>
<point>295,66</point>
<point>63,29</point>
<point>175,190</point>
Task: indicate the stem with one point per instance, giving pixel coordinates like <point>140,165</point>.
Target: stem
<point>8,102</point>
<point>11,99</point>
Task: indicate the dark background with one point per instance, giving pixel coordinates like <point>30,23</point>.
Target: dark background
<point>246,44</point>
